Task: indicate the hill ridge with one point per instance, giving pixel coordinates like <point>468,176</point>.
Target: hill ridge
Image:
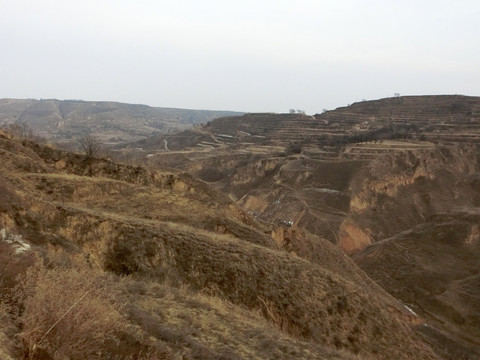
<point>113,122</point>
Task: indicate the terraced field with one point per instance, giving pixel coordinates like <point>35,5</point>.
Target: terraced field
<point>361,131</point>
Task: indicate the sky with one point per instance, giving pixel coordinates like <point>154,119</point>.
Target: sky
<point>253,56</point>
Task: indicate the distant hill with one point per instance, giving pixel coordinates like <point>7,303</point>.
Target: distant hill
<point>62,121</point>
<point>453,118</point>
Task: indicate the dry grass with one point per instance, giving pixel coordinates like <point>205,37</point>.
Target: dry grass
<point>206,327</point>
<point>138,319</point>
<point>7,333</point>
<point>434,269</point>
<point>71,311</point>
<point>113,197</point>
<point>298,297</point>
<point>84,331</point>
<point>11,266</point>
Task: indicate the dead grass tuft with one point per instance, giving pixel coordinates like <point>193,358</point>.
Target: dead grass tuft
<point>73,313</point>
<point>11,266</point>
<point>67,313</point>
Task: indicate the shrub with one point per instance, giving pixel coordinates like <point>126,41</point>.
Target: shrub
<point>12,264</point>
<point>68,313</point>
<point>293,149</point>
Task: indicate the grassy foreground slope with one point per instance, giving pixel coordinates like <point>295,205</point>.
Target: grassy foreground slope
<point>134,263</point>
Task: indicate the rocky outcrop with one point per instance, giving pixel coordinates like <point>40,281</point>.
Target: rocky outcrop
<point>352,238</point>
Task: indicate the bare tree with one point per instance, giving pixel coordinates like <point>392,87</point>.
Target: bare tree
<point>91,145</point>
<point>22,130</point>
<point>26,132</point>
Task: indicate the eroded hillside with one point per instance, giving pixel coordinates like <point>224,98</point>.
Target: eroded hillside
<point>356,176</point>
<point>399,191</point>
<point>332,172</point>
<point>158,265</point>
<point>434,268</point>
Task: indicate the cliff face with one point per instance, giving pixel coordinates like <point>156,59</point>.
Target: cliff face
<point>350,202</point>
<point>308,192</point>
<point>399,191</point>
<point>414,228</point>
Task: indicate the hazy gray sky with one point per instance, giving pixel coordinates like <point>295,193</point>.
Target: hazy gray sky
<point>261,55</point>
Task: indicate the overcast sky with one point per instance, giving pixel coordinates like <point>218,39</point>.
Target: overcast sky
<point>260,55</point>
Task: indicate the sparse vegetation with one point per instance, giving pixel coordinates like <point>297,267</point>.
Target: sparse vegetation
<point>23,132</point>
<point>67,309</point>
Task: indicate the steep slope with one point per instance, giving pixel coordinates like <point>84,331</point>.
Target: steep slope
<point>435,269</point>
<point>171,235</point>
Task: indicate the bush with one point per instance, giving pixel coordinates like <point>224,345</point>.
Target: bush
<point>293,149</point>
<point>12,265</point>
<point>68,314</point>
